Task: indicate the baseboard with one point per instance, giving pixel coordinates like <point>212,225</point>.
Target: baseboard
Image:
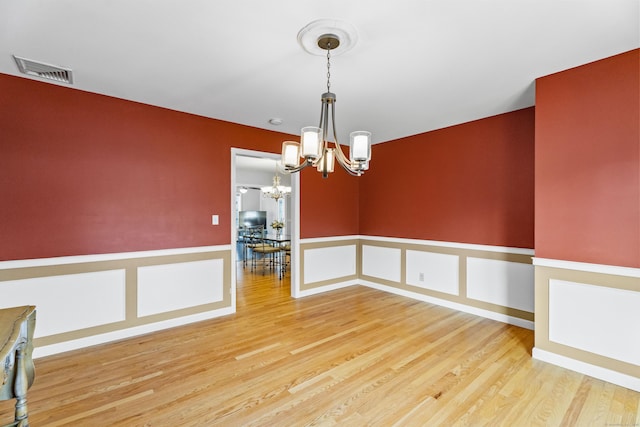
<point>62,347</point>
<point>594,371</point>
<point>527,324</point>
<point>327,288</point>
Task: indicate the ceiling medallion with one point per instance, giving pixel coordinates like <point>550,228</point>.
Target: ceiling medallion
<point>309,36</point>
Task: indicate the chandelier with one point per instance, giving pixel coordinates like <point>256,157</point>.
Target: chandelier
<point>315,147</point>
<point>276,191</point>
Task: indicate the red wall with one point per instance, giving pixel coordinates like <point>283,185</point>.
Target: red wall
<point>470,183</point>
<point>82,173</point>
<point>588,163</point>
<point>330,205</point>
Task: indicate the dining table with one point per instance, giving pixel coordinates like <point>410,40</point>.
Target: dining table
<point>282,241</point>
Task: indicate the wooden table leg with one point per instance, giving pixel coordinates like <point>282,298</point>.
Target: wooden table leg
<point>20,387</point>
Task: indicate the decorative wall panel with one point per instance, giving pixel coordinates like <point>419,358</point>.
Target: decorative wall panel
<point>329,263</point>
<point>428,270</point>
<point>587,319</point>
<point>505,283</point>
<point>597,319</point>
<point>382,263</point>
<point>69,302</point>
<point>168,287</point>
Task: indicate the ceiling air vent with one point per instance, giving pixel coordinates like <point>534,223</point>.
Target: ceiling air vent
<point>45,71</point>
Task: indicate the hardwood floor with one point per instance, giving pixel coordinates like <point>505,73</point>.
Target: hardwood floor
<point>353,357</point>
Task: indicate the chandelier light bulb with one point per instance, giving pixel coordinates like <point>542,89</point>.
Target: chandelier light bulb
<point>310,139</point>
<point>360,146</point>
<point>291,154</point>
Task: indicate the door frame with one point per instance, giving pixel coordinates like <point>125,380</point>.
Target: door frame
<point>295,231</point>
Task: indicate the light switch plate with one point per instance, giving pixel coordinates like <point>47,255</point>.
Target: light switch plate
<point>215,220</point>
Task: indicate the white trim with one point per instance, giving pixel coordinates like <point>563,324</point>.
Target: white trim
<point>598,372</point>
<point>296,254</point>
<point>48,350</point>
<point>527,324</point>
<point>328,239</point>
<point>77,259</point>
<point>295,235</point>
<point>456,245</point>
<point>322,289</point>
<point>584,266</point>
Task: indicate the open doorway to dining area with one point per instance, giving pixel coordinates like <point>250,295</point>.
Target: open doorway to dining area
<point>265,225</point>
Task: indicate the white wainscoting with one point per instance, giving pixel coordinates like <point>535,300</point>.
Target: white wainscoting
<point>329,263</point>
<point>434,271</point>
<point>92,299</point>
<point>382,263</point>
<point>505,283</point>
<point>168,287</point>
<point>69,302</point>
<point>449,268</point>
<point>597,319</point>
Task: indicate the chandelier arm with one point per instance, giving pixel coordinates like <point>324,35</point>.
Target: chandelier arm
<point>333,125</point>
<point>348,168</point>
<point>287,169</point>
<point>325,129</point>
<point>344,162</point>
<point>342,159</point>
<point>323,107</point>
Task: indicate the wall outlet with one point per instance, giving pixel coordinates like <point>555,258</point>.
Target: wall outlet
<point>421,277</point>
<point>215,219</point>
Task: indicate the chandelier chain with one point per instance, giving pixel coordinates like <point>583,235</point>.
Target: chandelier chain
<point>329,67</point>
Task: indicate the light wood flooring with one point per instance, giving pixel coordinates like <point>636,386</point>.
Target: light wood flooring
<point>351,357</point>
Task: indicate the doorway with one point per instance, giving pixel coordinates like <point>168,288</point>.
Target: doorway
<point>251,170</point>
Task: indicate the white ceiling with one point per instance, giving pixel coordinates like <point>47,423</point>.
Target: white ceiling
<point>418,65</point>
